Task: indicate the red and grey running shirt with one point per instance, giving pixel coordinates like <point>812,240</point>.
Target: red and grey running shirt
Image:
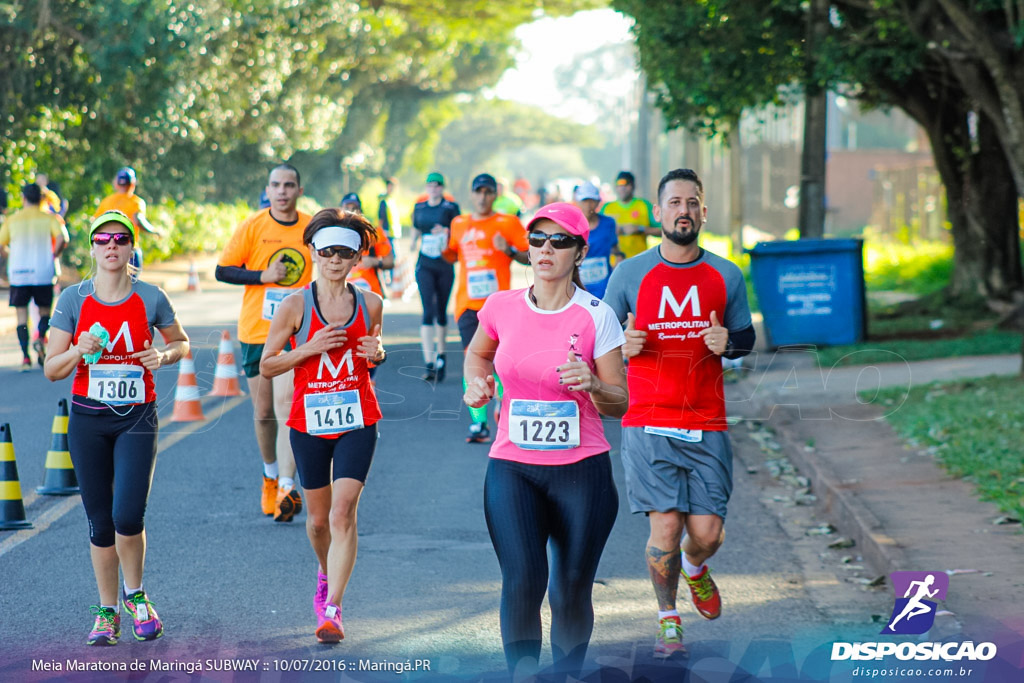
<point>676,381</point>
<point>116,378</point>
<point>333,394</point>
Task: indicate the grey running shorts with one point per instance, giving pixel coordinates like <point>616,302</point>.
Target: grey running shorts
<point>663,473</point>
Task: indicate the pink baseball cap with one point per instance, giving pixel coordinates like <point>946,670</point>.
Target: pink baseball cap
<point>566,215</point>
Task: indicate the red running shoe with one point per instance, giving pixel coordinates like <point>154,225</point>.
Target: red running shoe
<point>670,638</point>
<point>705,593</point>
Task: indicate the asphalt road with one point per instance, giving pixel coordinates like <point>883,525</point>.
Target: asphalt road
<point>231,585</point>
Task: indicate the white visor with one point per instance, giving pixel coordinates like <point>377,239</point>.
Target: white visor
<point>336,236</point>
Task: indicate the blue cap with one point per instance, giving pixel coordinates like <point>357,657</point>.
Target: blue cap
<point>484,180</point>
<point>351,198</point>
<point>126,176</point>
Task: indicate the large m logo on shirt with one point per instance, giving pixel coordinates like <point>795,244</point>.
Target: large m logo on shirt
<point>123,331</point>
<point>677,308</point>
<point>325,362</point>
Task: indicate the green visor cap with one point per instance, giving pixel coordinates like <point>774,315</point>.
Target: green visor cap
<point>435,178</point>
<point>112,217</point>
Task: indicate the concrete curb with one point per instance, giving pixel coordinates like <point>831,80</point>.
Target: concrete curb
<point>873,543</point>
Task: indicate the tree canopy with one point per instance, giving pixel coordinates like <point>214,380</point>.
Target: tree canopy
<point>201,96</point>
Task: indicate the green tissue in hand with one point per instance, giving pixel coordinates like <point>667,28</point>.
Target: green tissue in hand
<point>100,333</point>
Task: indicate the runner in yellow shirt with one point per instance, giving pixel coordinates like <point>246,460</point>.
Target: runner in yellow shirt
<point>267,255</point>
<point>634,217</point>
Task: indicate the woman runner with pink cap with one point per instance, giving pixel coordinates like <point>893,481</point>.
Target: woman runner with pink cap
<point>549,479</point>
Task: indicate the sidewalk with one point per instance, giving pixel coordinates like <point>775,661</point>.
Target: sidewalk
<point>903,511</point>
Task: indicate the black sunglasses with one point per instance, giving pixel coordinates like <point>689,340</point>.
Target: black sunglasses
<point>103,238</point>
<point>559,240</point>
<point>343,252</point>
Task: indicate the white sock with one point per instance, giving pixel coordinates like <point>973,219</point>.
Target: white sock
<point>690,570</point>
<point>441,332</point>
<point>129,591</point>
<point>270,470</point>
<point>427,342</point>
<point>667,613</point>
<point>285,483</point>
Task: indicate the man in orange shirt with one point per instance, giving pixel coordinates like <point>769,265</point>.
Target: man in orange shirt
<point>484,243</point>
<point>132,205</point>
<point>381,256</point>
<point>267,255</point>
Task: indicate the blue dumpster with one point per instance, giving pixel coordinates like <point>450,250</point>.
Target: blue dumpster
<point>811,291</point>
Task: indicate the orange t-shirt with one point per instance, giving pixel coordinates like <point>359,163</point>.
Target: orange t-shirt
<point>369,278</point>
<point>256,243</point>
<point>483,270</point>
<point>130,204</point>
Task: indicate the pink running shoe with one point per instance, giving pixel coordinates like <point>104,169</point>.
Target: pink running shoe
<point>329,629</point>
<point>320,599</point>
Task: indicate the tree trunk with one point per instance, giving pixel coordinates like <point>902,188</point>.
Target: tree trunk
<point>812,158</point>
<point>736,188</point>
<point>981,200</point>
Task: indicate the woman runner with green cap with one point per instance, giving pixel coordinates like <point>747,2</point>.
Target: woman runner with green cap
<point>102,331</point>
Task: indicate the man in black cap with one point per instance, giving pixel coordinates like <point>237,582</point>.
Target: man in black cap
<point>484,243</point>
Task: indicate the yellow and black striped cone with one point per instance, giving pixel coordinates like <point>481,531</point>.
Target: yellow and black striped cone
<point>60,477</point>
<point>12,508</point>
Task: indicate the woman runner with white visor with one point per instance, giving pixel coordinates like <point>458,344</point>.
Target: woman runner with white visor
<point>549,479</point>
<point>334,410</point>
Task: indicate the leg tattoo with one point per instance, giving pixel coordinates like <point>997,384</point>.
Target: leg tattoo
<point>664,568</point>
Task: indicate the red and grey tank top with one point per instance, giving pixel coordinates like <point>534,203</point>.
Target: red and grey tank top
<point>333,394</point>
<point>115,379</point>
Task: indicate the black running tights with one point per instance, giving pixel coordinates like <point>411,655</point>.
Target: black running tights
<point>573,507</point>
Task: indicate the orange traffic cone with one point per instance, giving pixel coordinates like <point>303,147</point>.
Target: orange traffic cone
<point>225,378</point>
<point>193,277</point>
<point>59,479</point>
<point>186,394</point>
<point>12,508</point>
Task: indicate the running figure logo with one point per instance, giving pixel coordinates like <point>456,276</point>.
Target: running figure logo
<point>573,338</point>
<point>914,612</point>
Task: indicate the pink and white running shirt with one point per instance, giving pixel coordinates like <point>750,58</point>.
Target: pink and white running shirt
<point>531,344</point>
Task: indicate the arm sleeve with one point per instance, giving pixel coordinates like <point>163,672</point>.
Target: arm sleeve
<point>486,320</point>
<point>65,313</point>
<point>609,335</point>
<point>741,342</point>
<point>615,294</point>
<point>238,275</point>
<point>164,314</point>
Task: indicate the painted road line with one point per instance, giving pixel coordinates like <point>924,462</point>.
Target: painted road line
<point>65,506</point>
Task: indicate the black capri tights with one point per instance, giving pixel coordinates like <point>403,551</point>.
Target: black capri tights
<point>435,278</point>
<point>526,506</point>
<point>114,457</point>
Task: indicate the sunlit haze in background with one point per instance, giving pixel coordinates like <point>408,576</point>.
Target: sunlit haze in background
<point>550,43</point>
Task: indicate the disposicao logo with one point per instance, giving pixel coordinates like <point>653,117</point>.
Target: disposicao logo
<point>916,592</point>
<point>914,614</point>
